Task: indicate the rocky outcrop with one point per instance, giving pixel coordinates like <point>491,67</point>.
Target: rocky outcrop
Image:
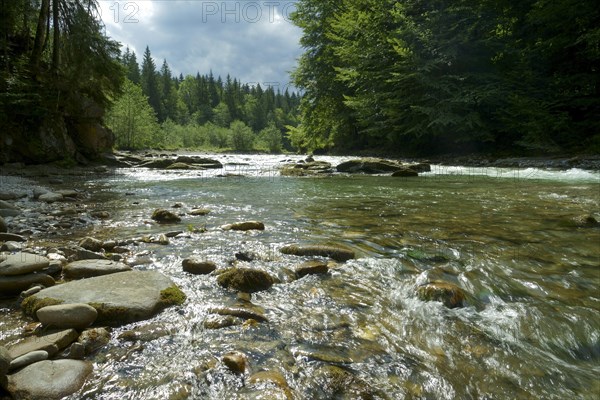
<point>118,298</point>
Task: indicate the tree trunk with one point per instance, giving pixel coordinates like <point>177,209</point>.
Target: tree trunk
<point>56,41</point>
<point>40,35</point>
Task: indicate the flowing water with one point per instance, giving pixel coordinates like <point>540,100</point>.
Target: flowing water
<point>531,329</point>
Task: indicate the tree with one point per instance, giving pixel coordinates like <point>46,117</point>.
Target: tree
<point>149,80</point>
<point>271,138</point>
<point>132,119</point>
<point>242,138</point>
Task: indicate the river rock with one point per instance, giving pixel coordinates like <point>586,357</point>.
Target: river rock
<point>311,268</point>
<point>11,195</point>
<point>202,162</point>
<point>245,280</point>
<point>337,253</point>
<point>163,216</point>
<point>119,298</point>
<point>100,214</point>
<point>22,263</point>
<point>199,212</point>
<point>5,360</point>
<point>180,166</point>
<point>405,172</point>
<point>93,339</point>
<point>586,221</point>
<point>75,351</point>
<point>145,333</point>
<point>89,268</point>
<point>49,380</point>
<point>420,167</point>
<point>157,163</point>
<point>369,166</point>
<point>3,226</point>
<point>51,342</point>
<point>64,316</point>
<point>13,285</point>
<point>28,359</point>
<point>51,197</point>
<point>449,294</point>
<point>11,237</point>
<point>91,244</point>
<point>236,362</point>
<point>11,247</point>
<point>4,205</point>
<point>197,266</point>
<point>245,226</point>
<point>310,168</point>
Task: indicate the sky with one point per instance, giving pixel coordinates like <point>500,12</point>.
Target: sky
<point>254,41</point>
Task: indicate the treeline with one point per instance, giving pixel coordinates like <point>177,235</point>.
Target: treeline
<point>431,76</point>
<point>159,110</point>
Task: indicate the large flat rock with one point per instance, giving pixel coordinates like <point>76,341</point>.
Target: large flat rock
<point>119,298</point>
<point>21,264</point>
<point>48,380</point>
<point>90,268</point>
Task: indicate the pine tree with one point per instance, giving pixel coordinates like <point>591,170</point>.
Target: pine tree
<point>149,81</point>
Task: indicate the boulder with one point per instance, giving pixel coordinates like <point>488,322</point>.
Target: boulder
<point>75,351</point>
<point>420,167</point>
<point>449,294</point>
<point>245,226</point>
<point>197,266</point>
<point>163,216</point>
<point>199,212</point>
<point>145,333</point>
<point>28,359</point>
<point>309,168</point>
<point>337,252</point>
<point>368,166</point>
<point>91,244</point>
<point>100,214</point>
<point>11,195</point>
<point>93,339</point>
<point>200,161</point>
<point>236,362</point>
<point>22,263</point>
<point>3,226</point>
<point>119,298</point>
<point>65,316</point>
<point>13,285</point>
<point>311,268</point>
<point>90,268</point>
<point>406,172</point>
<point>51,342</point>
<point>49,380</point>
<point>51,197</point>
<point>245,280</point>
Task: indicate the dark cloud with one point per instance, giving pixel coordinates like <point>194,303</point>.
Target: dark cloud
<point>251,40</point>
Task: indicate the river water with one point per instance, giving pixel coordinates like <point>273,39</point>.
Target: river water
<point>531,328</point>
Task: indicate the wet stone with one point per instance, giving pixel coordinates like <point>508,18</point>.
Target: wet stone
<point>27,359</point>
<point>90,268</point>
<point>236,362</point>
<point>93,339</point>
<point>14,285</point>
<point>447,293</point>
<point>245,280</point>
<point>163,216</point>
<point>311,268</point>
<point>337,253</point>
<point>76,316</point>
<point>91,244</point>
<point>198,266</point>
<point>245,226</point>
<point>51,342</point>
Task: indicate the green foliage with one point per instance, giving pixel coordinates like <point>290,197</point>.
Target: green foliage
<point>242,137</point>
<point>271,138</point>
<point>133,120</point>
<point>462,75</point>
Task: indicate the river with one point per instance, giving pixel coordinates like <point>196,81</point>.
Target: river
<point>530,330</point>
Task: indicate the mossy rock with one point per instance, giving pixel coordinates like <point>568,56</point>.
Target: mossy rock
<point>172,296</point>
<point>336,252</point>
<point>245,280</point>
<point>31,304</point>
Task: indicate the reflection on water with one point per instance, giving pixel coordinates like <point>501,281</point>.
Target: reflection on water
<point>531,329</point>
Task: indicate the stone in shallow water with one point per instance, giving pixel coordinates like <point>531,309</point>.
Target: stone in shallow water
<point>93,339</point>
<point>119,298</point>
<point>22,263</point>
<point>5,237</point>
<point>236,362</point>
<point>337,253</point>
<point>90,243</point>
<point>3,226</point>
<point>311,268</point>
<point>163,216</point>
<point>76,316</point>
<point>449,294</point>
<point>245,226</point>
<point>13,285</point>
<point>49,380</point>
<point>89,268</point>
<point>197,266</point>
<point>245,280</point>
<point>51,342</point>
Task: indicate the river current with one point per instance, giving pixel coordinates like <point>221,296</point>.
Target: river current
<point>530,330</point>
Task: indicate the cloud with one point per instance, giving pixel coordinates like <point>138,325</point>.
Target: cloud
<point>253,41</point>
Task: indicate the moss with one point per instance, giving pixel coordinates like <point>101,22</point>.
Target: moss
<point>31,304</point>
<point>111,315</point>
<point>172,296</point>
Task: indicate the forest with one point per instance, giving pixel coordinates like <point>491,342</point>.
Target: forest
<point>409,77</point>
<point>439,76</point>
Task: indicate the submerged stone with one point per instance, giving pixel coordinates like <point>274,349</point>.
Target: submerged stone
<point>245,226</point>
<point>337,253</point>
<point>449,294</point>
